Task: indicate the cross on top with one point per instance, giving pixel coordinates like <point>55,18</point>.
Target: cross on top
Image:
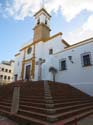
<point>42,3</point>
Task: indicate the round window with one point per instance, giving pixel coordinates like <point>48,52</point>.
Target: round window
<point>29,50</point>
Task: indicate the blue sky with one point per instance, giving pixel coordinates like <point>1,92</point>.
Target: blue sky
<point>73,18</point>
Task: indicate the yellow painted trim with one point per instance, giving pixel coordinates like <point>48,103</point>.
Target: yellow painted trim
<point>30,45</point>
<point>52,37</point>
<point>33,64</point>
<point>81,42</point>
<point>28,60</point>
<point>74,46</point>
<point>26,47</point>
<point>35,42</point>
<point>33,68</point>
<point>24,61</point>
<point>22,71</point>
<point>17,54</point>
<point>66,43</point>
<point>42,24</point>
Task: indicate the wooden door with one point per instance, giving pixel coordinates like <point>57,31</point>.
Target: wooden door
<point>28,70</point>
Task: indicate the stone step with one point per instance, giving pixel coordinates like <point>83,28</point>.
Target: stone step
<point>33,108</point>
<point>58,116</point>
<point>46,106</point>
<point>4,107</point>
<point>68,96</point>
<point>32,100</point>
<point>5,103</point>
<point>72,107</point>
<point>32,104</point>
<point>7,100</point>
<point>63,104</point>
<point>23,120</point>
<point>70,113</point>
<point>32,97</point>
<point>74,119</point>
<point>52,109</point>
<point>32,114</point>
<point>70,99</point>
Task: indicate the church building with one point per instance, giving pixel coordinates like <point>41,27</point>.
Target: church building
<point>52,58</point>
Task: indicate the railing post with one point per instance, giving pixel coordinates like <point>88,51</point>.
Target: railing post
<point>15,99</point>
<point>49,102</point>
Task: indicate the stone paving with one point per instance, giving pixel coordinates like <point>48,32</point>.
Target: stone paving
<point>86,121</point>
<point>6,121</point>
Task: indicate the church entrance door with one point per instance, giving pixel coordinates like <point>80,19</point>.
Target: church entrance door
<point>27,74</point>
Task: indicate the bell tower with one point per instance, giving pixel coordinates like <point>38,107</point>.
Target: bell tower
<point>42,25</point>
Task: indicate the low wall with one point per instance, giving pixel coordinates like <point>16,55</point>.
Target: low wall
<point>85,87</point>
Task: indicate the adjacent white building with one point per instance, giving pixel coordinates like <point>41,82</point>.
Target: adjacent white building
<point>6,72</point>
<point>74,63</point>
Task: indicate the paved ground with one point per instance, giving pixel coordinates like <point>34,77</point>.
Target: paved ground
<point>86,121</point>
<point>5,121</point>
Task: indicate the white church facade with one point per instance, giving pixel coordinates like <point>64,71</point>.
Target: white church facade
<point>73,63</point>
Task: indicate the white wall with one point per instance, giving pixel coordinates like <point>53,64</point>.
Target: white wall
<point>75,72</point>
<point>18,64</point>
<point>42,51</point>
<point>56,45</point>
<point>80,77</point>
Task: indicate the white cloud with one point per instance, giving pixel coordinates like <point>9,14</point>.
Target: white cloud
<point>71,8</point>
<point>89,24</point>
<point>82,33</point>
<point>20,9</point>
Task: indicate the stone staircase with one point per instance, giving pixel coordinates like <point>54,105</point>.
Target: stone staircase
<point>46,103</point>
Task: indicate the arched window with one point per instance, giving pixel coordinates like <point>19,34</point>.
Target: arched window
<point>6,70</point>
<point>46,21</point>
<point>10,71</point>
<point>8,77</point>
<point>29,50</point>
<point>38,21</point>
<point>5,77</point>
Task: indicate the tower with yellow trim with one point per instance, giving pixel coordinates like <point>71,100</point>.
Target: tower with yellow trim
<point>42,25</point>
